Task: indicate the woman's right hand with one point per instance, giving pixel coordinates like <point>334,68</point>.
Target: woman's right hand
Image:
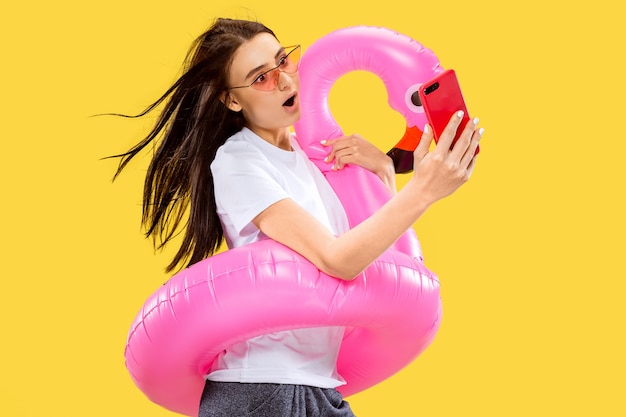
<point>438,173</point>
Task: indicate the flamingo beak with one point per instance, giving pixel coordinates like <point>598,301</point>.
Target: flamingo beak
<point>402,153</point>
<point>410,140</point>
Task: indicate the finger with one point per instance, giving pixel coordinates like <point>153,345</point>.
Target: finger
<point>336,145</point>
<point>464,141</point>
<point>329,142</point>
<point>332,154</point>
<point>344,156</point>
<point>447,136</point>
<point>469,156</point>
<point>470,167</point>
<point>424,144</point>
<point>339,152</point>
<point>334,141</point>
<point>329,158</point>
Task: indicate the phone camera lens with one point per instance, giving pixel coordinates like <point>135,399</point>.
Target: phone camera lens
<point>431,88</point>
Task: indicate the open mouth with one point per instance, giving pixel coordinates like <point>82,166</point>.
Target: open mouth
<point>289,101</point>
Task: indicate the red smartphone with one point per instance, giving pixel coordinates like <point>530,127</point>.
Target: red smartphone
<point>441,97</point>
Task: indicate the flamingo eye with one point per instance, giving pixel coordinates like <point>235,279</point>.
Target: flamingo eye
<point>412,99</point>
<point>415,99</point>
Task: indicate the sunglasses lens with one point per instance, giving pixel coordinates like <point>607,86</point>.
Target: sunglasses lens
<point>292,61</point>
<point>267,81</point>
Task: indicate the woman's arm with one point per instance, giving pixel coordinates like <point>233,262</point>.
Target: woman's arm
<point>437,174</point>
<point>355,150</point>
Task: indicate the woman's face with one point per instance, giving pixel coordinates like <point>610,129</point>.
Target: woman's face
<point>266,112</point>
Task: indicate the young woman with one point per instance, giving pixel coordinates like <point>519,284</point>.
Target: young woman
<point>227,155</point>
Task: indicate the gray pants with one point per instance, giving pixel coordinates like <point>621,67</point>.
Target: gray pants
<point>232,399</point>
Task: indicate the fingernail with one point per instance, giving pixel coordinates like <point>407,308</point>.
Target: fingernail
<point>323,142</point>
<point>426,129</point>
<point>459,114</point>
<point>326,159</point>
<point>481,131</point>
<point>476,120</point>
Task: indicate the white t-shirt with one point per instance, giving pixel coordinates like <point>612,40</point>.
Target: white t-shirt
<point>251,174</point>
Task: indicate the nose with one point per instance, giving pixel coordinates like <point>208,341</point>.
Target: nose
<point>284,80</point>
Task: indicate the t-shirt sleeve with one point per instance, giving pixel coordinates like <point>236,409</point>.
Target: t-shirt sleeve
<point>246,183</point>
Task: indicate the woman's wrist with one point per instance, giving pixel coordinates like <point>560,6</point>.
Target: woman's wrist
<point>420,196</point>
<point>387,173</point>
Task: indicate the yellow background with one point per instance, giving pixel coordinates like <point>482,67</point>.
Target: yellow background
<point>530,252</point>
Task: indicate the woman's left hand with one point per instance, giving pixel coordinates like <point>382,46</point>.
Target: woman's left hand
<point>353,149</point>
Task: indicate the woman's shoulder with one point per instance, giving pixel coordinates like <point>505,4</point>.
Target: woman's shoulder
<point>237,146</point>
<point>236,150</point>
<point>235,142</point>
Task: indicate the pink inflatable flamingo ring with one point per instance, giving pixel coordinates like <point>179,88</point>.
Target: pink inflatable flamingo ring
<point>391,311</point>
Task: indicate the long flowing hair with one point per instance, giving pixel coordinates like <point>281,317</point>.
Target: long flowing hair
<point>193,124</point>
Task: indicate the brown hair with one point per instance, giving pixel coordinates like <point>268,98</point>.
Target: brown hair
<point>193,125</point>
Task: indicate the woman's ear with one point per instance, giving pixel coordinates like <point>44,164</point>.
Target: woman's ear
<point>230,101</point>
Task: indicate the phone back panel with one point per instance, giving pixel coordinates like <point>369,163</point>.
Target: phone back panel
<point>441,97</point>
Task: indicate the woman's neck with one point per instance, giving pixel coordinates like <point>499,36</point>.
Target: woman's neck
<point>281,138</point>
